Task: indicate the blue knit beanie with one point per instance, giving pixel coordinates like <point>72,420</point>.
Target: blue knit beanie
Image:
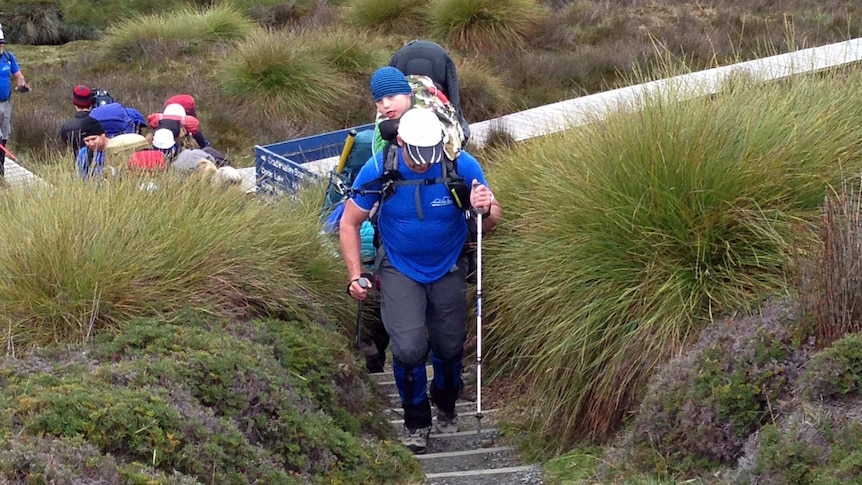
<point>388,81</point>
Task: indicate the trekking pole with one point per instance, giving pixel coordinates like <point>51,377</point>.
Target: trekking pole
<point>479,321</point>
<point>358,341</point>
<point>8,153</point>
<point>363,283</point>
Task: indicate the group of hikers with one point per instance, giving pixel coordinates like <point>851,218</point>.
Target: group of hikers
<point>422,193</point>
<point>105,137</point>
<point>423,197</point>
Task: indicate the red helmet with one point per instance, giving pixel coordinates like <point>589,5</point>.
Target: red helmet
<point>184,100</point>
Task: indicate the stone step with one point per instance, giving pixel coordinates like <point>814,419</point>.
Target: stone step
<point>466,420</point>
<point>396,412</point>
<point>386,375</point>
<point>462,440</point>
<point>516,475</point>
<point>387,387</point>
<point>477,459</point>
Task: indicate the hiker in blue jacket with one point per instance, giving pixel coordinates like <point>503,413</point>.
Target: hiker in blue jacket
<point>9,70</point>
<point>422,278</point>
<point>90,162</point>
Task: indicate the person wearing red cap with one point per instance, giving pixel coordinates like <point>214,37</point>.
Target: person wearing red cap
<point>83,100</point>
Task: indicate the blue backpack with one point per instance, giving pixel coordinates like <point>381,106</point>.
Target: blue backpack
<point>117,119</point>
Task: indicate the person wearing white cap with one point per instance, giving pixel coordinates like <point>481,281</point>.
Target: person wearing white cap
<point>9,70</point>
<point>421,273</point>
<point>163,140</point>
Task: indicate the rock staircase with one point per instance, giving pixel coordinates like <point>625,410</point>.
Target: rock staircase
<point>466,457</point>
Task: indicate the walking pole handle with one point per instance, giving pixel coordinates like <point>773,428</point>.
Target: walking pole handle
<point>345,153</point>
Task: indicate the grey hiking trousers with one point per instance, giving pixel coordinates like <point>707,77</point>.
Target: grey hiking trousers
<point>416,314</point>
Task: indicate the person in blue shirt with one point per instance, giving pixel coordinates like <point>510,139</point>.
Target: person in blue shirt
<point>9,70</point>
<point>421,273</point>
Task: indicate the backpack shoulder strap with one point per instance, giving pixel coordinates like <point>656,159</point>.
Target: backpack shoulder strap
<point>390,172</point>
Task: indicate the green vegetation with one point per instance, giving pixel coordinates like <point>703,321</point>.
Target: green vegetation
<point>698,415</point>
<point>282,78</point>
<point>152,50</point>
<point>836,372</point>
<point>819,442</point>
<point>177,34</point>
<point>484,94</point>
<point>199,400</point>
<point>645,226</point>
<point>386,16</point>
<point>80,258</point>
<point>483,25</point>
<point>206,329</point>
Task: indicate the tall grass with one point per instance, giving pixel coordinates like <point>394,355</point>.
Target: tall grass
<point>625,236</point>
<point>484,24</point>
<point>830,286</point>
<point>180,33</point>
<point>81,258</point>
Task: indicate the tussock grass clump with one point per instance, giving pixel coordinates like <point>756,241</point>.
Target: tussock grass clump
<point>624,237</point>
<point>352,52</point>
<point>177,34</point>
<point>484,25</point>
<point>404,16</point>
<point>80,258</point>
<point>282,76</point>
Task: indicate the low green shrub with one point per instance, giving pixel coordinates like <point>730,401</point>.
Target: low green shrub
<point>814,446</point>
<point>701,409</point>
<point>204,400</point>
<point>835,372</point>
<point>45,459</point>
<point>484,25</point>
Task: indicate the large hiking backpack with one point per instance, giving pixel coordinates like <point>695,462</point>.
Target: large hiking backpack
<point>426,58</point>
<point>117,119</point>
<point>101,97</point>
<point>340,182</point>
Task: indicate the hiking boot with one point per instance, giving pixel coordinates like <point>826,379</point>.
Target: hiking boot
<point>416,439</point>
<point>447,422</point>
